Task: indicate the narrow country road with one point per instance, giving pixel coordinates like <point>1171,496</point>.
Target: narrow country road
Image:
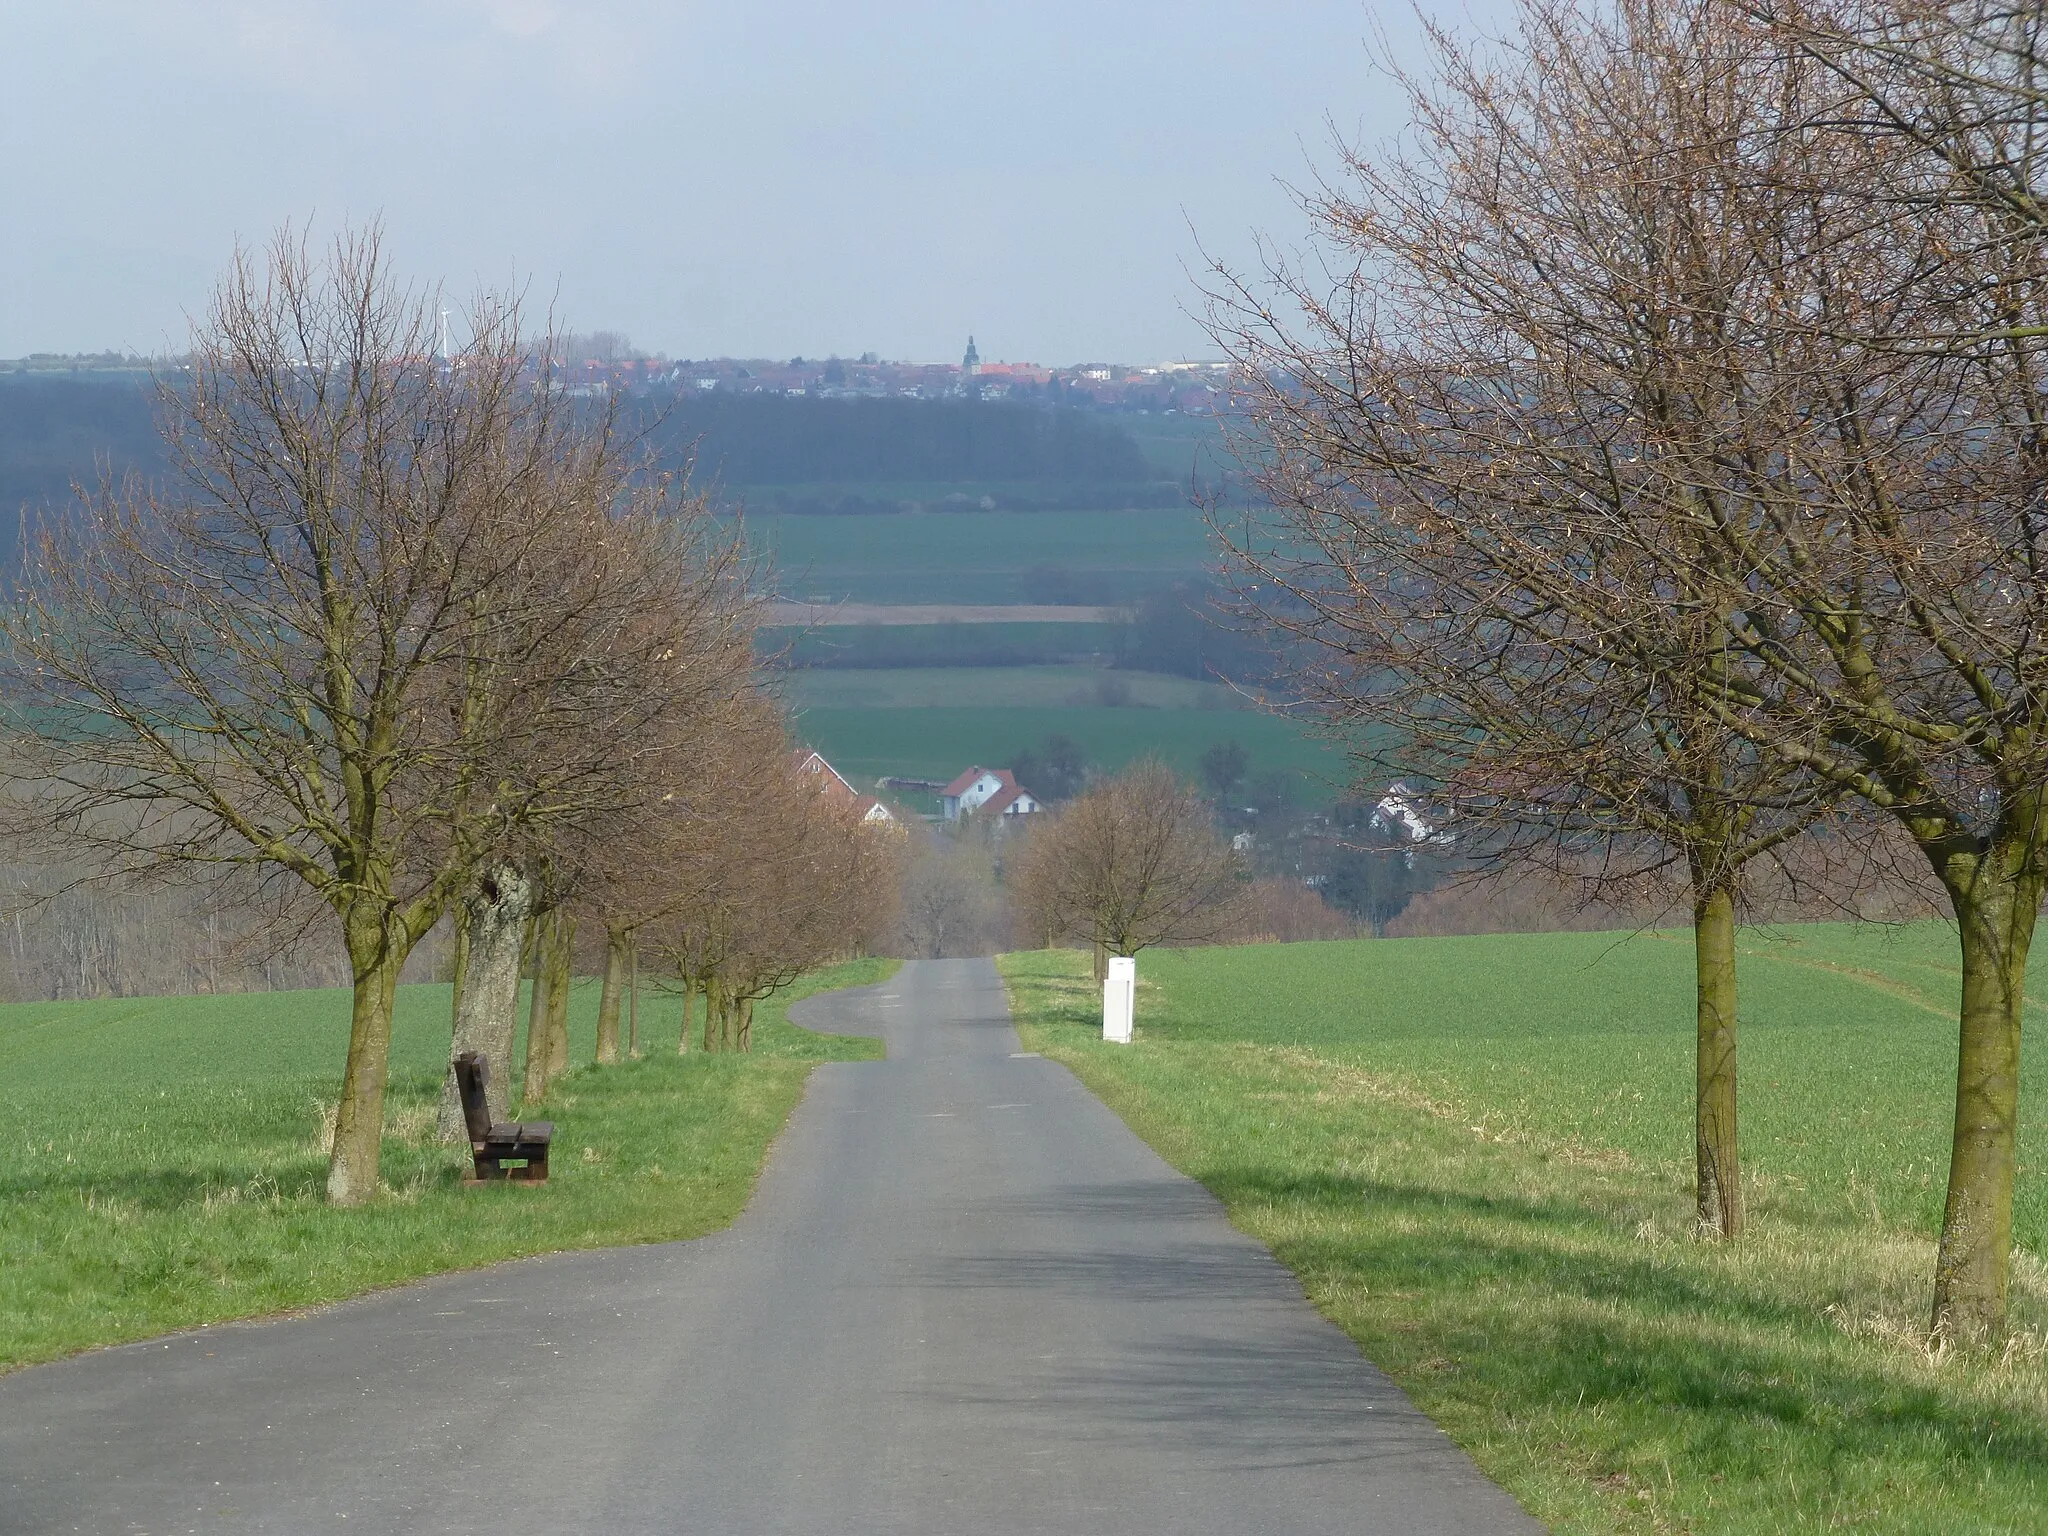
<point>965,1300</point>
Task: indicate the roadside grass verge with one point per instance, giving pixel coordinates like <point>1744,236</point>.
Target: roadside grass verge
<point>1475,1155</point>
<point>161,1159</point>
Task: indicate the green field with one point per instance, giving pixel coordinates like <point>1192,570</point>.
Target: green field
<point>1052,687</point>
<point>869,647</point>
<point>1476,1154</point>
<point>164,1165</point>
<point>976,557</point>
<point>938,743</point>
<point>1178,444</point>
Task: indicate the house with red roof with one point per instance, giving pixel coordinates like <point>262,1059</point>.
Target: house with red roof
<point>833,783</point>
<point>987,792</point>
<point>830,779</point>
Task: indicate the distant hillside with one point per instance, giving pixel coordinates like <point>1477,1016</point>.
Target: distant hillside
<point>54,432</point>
<point>863,455</point>
<point>773,440</point>
<point>804,455</point>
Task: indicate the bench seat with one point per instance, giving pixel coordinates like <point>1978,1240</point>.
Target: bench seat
<point>494,1146</point>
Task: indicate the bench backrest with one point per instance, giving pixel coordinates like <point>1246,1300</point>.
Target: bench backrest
<point>471,1069</point>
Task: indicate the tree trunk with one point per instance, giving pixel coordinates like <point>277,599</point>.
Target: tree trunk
<point>689,1013</point>
<point>536,1087</point>
<point>1714,1107</point>
<point>493,920</point>
<point>458,972</point>
<point>711,1013</point>
<point>608,999</point>
<point>376,958</point>
<point>561,972</point>
<point>633,996</point>
<point>743,1027</point>
<point>1995,902</point>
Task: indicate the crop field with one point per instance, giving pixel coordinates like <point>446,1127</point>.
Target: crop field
<point>873,646</point>
<point>976,557</point>
<point>1476,1153</point>
<point>1050,687</point>
<point>937,743</point>
<point>165,1164</point>
<point>1178,444</point>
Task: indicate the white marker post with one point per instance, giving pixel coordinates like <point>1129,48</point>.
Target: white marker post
<point>1119,999</point>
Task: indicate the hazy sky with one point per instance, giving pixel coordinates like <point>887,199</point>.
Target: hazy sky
<point>748,177</point>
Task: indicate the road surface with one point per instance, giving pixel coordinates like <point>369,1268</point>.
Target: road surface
<point>964,1300</point>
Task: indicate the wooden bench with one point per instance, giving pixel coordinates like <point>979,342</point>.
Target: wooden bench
<point>494,1146</point>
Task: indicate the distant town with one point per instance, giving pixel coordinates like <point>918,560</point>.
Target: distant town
<point>1190,387</point>
<point>603,362</point>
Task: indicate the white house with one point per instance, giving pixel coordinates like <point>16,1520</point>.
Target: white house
<point>986,791</point>
<point>1397,813</point>
<point>1011,800</point>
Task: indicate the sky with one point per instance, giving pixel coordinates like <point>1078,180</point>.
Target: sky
<point>754,178</point>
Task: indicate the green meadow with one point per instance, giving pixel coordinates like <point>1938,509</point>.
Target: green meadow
<point>977,557</point>
<point>1180,445</point>
<point>1475,1152</point>
<point>165,1162</point>
<point>974,645</point>
<point>1047,687</point>
<point>937,743</point>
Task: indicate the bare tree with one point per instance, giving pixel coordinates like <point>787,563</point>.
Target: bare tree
<point>679,644</point>
<point>1132,862</point>
<point>951,903</point>
<point>1964,83</point>
<point>1888,631</point>
<point>1480,448</point>
<point>1792,380</point>
<point>1892,635</point>
<point>335,643</point>
<point>793,879</point>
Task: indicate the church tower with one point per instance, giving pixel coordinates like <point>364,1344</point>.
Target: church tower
<point>971,363</point>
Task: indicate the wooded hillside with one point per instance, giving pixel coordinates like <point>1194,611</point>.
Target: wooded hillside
<point>850,456</point>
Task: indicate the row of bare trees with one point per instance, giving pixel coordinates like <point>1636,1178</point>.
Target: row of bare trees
<point>732,874</point>
<point>1665,464</point>
<point>404,638</point>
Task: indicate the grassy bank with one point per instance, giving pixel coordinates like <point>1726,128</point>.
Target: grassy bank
<point>1475,1154</point>
<point>164,1163</point>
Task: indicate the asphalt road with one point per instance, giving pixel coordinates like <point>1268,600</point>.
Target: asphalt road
<point>965,1299</point>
